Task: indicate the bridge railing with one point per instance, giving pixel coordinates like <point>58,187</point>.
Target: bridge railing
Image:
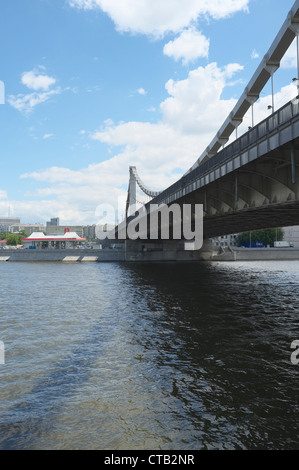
<point>250,138</point>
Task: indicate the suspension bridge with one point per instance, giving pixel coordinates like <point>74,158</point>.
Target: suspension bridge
<point>252,183</point>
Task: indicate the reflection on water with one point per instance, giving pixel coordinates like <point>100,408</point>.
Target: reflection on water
<point>149,356</point>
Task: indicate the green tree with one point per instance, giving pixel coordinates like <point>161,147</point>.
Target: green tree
<point>3,235</point>
<point>266,237</point>
<point>14,239</point>
<point>24,234</point>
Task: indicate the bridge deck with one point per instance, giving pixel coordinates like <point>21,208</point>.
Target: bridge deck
<point>276,130</point>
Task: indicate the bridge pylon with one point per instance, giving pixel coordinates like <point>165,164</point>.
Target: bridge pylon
<point>131,204</point>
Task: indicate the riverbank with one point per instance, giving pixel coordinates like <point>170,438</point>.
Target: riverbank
<point>98,256</point>
<point>109,255</point>
<point>80,255</point>
<point>257,254</point>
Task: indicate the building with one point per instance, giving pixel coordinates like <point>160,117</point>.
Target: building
<point>40,241</point>
<point>7,222</point>
<point>2,244</point>
<point>225,241</point>
<point>291,234</point>
<point>89,231</point>
<point>62,229</point>
<point>53,222</point>
<point>29,228</point>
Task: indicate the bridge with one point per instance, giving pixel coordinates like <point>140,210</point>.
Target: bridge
<point>252,183</point>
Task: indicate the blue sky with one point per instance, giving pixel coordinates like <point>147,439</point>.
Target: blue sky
<point>94,86</point>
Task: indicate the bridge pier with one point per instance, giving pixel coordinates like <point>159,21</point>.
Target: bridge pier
<point>165,250</point>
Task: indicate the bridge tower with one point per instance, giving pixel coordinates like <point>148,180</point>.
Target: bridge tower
<point>131,205</point>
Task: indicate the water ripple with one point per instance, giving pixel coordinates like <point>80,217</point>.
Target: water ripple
<point>157,356</point>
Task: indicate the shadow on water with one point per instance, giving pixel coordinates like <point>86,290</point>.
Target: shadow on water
<point>219,336</point>
<point>32,416</point>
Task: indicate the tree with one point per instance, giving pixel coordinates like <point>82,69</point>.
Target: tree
<point>14,239</point>
<point>24,234</point>
<point>266,237</point>
<point>3,235</point>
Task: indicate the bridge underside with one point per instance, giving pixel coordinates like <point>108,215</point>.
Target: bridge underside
<point>261,194</point>
<point>272,216</point>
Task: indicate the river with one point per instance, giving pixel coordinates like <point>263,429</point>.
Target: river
<point>114,356</point>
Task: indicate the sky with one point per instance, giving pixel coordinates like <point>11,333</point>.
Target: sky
<point>92,87</point>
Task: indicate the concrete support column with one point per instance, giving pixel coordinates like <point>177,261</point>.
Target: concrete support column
<point>293,163</point>
<point>165,250</point>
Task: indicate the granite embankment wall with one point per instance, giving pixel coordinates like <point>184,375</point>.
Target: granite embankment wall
<point>62,255</point>
<point>93,256</point>
<point>258,254</point>
<point>133,251</point>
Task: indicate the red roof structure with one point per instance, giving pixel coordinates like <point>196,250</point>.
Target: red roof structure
<point>40,240</point>
<point>41,237</point>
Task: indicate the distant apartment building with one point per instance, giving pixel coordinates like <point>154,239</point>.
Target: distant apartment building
<point>225,240</point>
<point>7,222</point>
<point>62,229</point>
<point>291,234</point>
<point>89,231</point>
<point>29,228</point>
<point>53,222</point>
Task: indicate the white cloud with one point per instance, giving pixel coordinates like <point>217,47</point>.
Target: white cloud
<point>3,194</point>
<point>158,17</point>
<point>254,54</point>
<point>73,195</point>
<point>195,105</point>
<point>40,83</point>
<point>141,91</point>
<point>41,210</point>
<point>47,136</point>
<point>37,81</point>
<point>190,45</point>
<point>289,60</point>
<point>26,103</point>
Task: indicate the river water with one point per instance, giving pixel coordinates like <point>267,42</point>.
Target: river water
<point>149,356</point>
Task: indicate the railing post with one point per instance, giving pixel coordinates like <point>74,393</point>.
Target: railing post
<point>236,189</point>
<point>205,207</point>
<point>293,162</point>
